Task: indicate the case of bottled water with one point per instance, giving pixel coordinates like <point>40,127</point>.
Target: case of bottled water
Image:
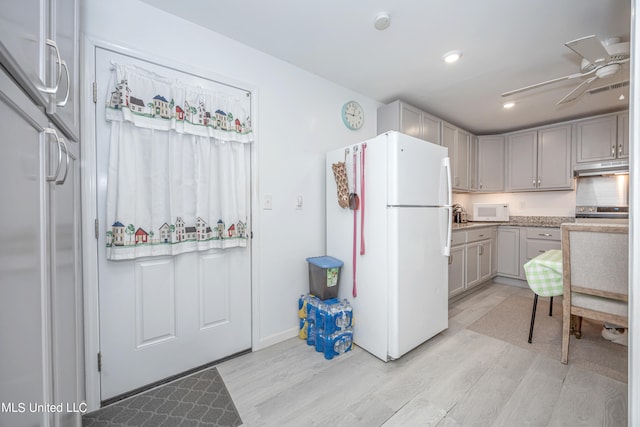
<point>326,324</point>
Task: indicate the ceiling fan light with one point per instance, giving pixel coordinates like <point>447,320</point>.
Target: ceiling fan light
<point>452,56</point>
<point>607,70</point>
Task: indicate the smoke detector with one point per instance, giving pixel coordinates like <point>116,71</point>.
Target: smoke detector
<point>382,21</point>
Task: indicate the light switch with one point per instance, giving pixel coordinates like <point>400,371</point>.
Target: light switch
<point>267,203</point>
<point>299,203</point>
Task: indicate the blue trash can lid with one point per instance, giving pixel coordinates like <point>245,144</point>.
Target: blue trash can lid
<point>325,261</point>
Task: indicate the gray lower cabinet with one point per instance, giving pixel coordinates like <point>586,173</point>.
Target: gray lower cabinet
<point>517,245</point>
<point>509,252</point>
<point>472,261</point>
<point>539,240</point>
<point>457,265</point>
<point>40,276</point>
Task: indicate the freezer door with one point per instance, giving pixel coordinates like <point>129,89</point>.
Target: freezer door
<point>418,172</point>
<point>418,277</point>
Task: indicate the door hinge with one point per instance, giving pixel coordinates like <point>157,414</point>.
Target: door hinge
<point>251,235</point>
<point>97,228</point>
<point>99,362</point>
<point>95,93</point>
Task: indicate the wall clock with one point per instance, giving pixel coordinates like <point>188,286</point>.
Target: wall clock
<point>352,115</point>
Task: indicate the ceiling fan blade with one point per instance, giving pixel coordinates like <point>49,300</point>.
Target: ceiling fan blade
<point>559,79</point>
<point>577,91</point>
<point>590,48</point>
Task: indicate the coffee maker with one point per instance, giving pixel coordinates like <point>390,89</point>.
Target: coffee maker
<point>457,213</point>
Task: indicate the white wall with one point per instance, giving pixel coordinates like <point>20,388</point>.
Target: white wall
<point>297,120</point>
<point>545,203</point>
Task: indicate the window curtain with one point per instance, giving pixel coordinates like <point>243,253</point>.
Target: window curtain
<point>178,175</point>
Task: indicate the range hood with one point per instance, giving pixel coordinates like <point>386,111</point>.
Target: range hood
<point>602,168</point>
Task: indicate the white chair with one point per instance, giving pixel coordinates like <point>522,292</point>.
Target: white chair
<point>595,260</point>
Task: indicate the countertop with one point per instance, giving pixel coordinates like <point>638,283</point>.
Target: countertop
<point>520,221</point>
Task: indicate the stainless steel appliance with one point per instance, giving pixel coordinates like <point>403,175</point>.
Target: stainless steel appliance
<point>603,196</point>
<point>602,168</point>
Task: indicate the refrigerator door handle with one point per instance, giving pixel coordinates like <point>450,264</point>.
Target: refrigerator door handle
<point>446,163</point>
<point>446,250</point>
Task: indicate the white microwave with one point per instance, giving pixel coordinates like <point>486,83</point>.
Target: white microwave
<point>493,212</point>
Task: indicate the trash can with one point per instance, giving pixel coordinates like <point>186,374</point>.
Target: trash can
<point>324,276</point>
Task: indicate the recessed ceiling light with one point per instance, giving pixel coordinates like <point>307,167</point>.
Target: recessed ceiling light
<point>508,105</point>
<point>621,97</point>
<point>382,21</point>
<point>451,57</point>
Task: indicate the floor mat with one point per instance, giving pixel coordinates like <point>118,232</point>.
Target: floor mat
<point>510,320</point>
<point>201,399</point>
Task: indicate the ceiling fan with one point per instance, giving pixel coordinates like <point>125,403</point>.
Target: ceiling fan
<point>599,60</point>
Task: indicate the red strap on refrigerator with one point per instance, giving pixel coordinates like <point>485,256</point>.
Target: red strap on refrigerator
<point>355,229</point>
<point>362,161</point>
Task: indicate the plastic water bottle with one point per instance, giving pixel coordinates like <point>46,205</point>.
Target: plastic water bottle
<point>343,342</point>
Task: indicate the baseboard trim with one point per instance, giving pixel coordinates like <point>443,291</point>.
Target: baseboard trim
<point>513,282</point>
<point>276,338</point>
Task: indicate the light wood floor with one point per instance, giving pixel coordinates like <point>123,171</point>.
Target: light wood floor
<point>459,378</point>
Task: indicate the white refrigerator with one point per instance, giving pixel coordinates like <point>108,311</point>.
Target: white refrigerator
<point>395,246</point>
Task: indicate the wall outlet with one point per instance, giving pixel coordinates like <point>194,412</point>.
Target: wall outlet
<point>523,205</point>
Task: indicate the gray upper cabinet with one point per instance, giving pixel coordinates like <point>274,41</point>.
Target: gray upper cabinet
<point>39,46</point>
<point>539,159</point>
<point>473,163</point>
<point>64,105</point>
<point>490,163</point>
<point>602,138</point>
<point>596,139</point>
<point>23,46</point>
<point>402,117</point>
<point>554,158</point>
<point>522,149</point>
<point>623,135</point>
<point>457,141</point>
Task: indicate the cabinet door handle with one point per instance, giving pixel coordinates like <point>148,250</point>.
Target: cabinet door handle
<point>66,164</point>
<point>66,97</point>
<point>481,250</point>
<point>541,251</point>
<point>480,184</point>
<point>613,150</point>
<point>54,89</point>
<point>619,149</point>
<point>481,235</point>
<point>539,181</point>
<point>450,259</point>
<point>50,131</point>
<point>544,234</point>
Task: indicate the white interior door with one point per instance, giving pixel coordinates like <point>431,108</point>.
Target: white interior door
<point>162,316</point>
